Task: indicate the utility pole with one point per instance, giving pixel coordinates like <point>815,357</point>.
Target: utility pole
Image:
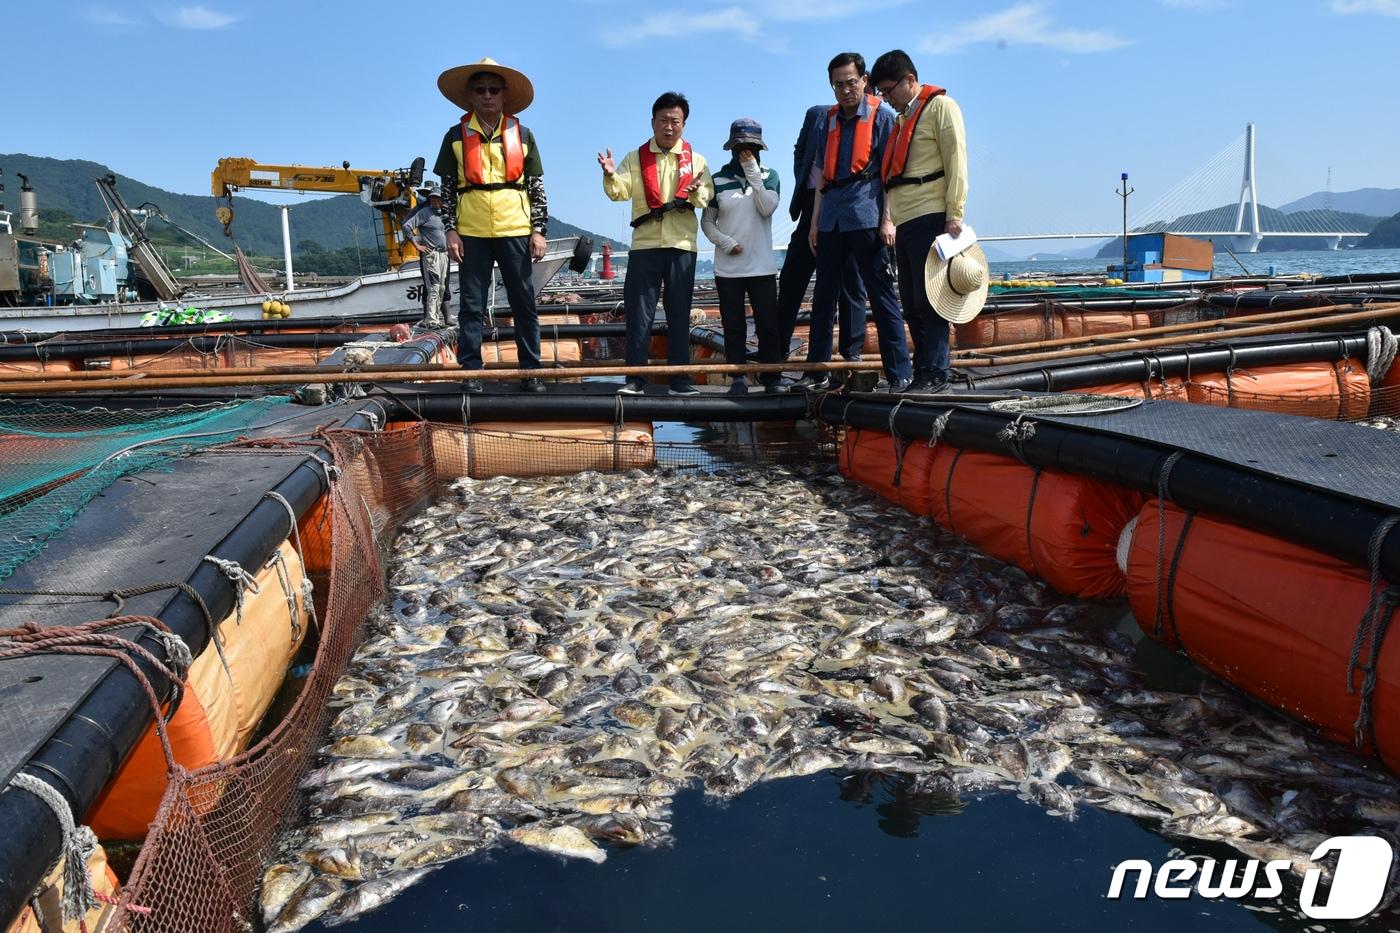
<point>1124,195</point>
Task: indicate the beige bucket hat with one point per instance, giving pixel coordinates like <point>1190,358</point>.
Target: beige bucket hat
<point>454,84</point>
<point>957,289</point>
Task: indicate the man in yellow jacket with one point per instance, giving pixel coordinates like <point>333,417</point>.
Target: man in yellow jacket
<point>925,177</point>
<point>667,183</point>
<point>493,206</point>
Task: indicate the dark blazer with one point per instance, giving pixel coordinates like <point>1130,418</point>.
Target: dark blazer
<point>813,125</point>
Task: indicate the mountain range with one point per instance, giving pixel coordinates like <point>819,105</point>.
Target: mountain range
<point>332,223</point>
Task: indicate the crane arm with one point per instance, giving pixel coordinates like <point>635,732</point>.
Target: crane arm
<point>232,174</point>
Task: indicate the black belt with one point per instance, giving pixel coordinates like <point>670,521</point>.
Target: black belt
<point>913,179</point>
<point>863,175</point>
<point>493,186</point>
<point>656,213</point>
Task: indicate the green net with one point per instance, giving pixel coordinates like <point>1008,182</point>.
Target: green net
<point>55,458</point>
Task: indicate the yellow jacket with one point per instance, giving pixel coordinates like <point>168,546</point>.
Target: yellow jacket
<point>940,142</point>
<point>676,229</point>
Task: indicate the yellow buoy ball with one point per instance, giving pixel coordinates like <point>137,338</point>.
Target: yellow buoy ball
<point>267,306</point>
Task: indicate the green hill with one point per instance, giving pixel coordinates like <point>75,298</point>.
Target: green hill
<point>1385,235</point>
<point>65,188</point>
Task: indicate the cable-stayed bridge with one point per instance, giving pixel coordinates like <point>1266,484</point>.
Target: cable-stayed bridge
<point>1191,208</point>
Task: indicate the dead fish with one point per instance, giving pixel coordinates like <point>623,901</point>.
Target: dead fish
<point>567,841</point>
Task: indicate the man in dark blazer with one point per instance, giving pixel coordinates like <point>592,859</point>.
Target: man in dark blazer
<point>799,263</point>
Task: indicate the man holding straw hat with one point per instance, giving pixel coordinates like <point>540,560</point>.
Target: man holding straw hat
<point>924,173</point>
<point>493,205</point>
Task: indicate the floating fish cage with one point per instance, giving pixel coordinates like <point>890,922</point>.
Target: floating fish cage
<point>1237,497</point>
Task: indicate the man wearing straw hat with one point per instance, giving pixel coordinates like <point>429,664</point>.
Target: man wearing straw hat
<point>925,177</point>
<point>493,205</point>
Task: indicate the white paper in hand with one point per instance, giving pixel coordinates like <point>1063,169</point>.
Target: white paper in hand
<point>949,246</point>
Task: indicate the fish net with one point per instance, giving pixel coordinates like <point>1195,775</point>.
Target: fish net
<point>204,853</point>
<point>57,458</point>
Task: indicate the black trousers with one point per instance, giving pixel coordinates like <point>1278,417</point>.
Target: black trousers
<point>667,274</point>
<point>834,249</point>
<point>912,241</point>
<point>512,254</point>
<point>796,275</point>
<point>762,292</point>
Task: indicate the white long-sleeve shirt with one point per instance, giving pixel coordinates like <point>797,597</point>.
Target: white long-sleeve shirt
<point>742,213</point>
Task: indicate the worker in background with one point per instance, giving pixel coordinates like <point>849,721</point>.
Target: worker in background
<point>925,178</point>
<point>424,229</point>
<point>667,182</point>
<point>493,205</point>
<point>799,263</point>
<point>848,220</point>
<point>739,222</point>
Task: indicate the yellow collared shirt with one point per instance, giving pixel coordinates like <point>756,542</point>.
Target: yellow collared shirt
<point>503,213</point>
<point>939,143</point>
<point>676,229</point>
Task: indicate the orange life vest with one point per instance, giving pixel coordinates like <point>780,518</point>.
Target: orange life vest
<point>897,153</point>
<point>860,148</point>
<point>651,184</point>
<point>511,142</point>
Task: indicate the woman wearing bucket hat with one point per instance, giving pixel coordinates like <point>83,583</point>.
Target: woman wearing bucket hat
<point>493,205</point>
<point>739,221</point>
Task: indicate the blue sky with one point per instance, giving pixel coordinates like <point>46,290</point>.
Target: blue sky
<point>1059,96</point>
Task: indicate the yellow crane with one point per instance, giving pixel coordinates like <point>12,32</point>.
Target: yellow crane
<point>389,191</point>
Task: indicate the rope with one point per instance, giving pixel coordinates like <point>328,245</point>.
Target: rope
<point>240,579</point>
<point>1373,626</point>
<point>284,578</point>
<point>948,487</point>
<point>900,444</point>
<point>618,414</point>
<point>173,645</point>
<point>79,845</point>
<point>1381,347</point>
<point>1163,497</point>
<point>1015,434</point>
<point>939,425</point>
<point>308,589</point>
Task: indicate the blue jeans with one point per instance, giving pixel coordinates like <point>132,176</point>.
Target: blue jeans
<point>874,263</point>
<point>912,241</point>
<point>512,254</point>
<point>667,274</point>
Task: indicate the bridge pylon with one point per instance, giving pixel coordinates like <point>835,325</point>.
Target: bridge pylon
<point>1249,192</point>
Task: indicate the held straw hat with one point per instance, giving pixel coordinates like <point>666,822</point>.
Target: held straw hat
<point>957,289</point>
<point>455,85</point>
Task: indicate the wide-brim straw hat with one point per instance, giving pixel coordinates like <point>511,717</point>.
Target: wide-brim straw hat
<point>957,289</point>
<point>455,85</point>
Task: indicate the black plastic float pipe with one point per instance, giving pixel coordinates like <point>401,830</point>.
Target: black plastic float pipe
<point>1331,523</point>
<point>86,752</point>
<point>407,401</point>
<point>1167,362</point>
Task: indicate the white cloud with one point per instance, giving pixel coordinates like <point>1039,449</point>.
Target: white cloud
<point>1023,24</point>
<point>107,16</point>
<point>195,17</point>
<point>1383,7</point>
<point>746,23</point>
<point>812,10</point>
<point>732,20</point>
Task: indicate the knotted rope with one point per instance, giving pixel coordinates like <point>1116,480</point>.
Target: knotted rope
<point>240,579</point>
<point>79,844</point>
